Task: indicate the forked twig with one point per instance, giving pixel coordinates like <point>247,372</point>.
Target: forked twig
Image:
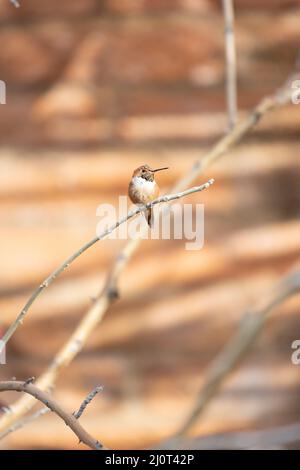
<point>42,411</point>
<point>48,400</point>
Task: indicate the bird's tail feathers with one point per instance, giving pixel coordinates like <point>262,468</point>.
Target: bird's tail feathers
<point>150,217</point>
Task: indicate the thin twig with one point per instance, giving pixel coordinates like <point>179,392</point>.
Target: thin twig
<point>107,296</point>
<point>87,401</point>
<point>45,398</point>
<point>24,421</point>
<point>236,348</point>
<point>46,283</point>
<point>230,54</point>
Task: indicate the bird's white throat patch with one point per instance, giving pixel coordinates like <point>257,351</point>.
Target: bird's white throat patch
<point>143,185</point>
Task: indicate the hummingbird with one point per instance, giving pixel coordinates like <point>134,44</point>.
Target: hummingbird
<point>144,189</point>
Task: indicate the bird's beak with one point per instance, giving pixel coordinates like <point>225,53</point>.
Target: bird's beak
<point>160,169</point>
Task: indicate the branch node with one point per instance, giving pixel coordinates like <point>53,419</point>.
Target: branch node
<point>98,445</point>
<point>30,380</point>
<point>6,409</point>
<point>113,293</point>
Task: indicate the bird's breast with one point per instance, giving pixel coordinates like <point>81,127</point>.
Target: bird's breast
<point>142,191</point>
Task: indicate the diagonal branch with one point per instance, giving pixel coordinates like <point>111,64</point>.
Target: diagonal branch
<point>24,421</point>
<point>237,347</point>
<point>269,438</point>
<point>107,296</point>
<point>46,283</point>
<point>45,398</point>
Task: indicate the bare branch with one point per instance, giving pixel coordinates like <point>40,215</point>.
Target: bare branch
<point>46,283</point>
<point>45,398</point>
<point>237,347</point>
<point>107,296</point>
<point>230,53</point>
<point>42,411</point>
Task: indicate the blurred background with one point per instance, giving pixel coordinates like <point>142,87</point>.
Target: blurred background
<point>96,88</point>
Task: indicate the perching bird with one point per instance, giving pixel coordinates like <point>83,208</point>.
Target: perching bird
<point>143,188</point>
